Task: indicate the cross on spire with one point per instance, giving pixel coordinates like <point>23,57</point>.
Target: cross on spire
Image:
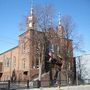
<point>59,21</point>
<point>32,3</point>
<point>31,11</point>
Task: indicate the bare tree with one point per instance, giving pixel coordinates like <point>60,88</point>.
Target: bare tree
<point>72,43</point>
<point>43,22</point>
<point>68,49</point>
<point>22,25</point>
<point>81,69</point>
<point>44,33</point>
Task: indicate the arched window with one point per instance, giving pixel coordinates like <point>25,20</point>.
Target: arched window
<point>37,62</point>
<point>23,63</point>
<point>7,62</point>
<point>14,61</point>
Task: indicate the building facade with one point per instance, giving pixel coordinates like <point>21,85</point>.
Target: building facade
<point>22,61</point>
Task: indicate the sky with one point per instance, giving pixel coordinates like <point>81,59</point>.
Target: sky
<point>12,12</point>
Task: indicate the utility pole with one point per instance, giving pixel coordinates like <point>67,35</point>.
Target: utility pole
<point>77,78</point>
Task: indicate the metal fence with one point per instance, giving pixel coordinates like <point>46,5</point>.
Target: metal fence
<point>8,85</point>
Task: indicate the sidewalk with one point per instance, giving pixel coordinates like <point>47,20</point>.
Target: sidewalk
<point>80,87</point>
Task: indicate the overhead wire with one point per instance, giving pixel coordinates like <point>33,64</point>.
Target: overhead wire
<point>2,40</point>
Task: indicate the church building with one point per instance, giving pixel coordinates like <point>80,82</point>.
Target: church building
<point>22,62</point>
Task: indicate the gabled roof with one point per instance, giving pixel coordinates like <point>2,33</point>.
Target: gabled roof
<point>8,50</point>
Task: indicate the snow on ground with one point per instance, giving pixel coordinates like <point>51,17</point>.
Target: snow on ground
<point>80,87</point>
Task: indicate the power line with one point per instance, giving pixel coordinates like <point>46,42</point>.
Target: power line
<point>10,38</point>
<point>2,40</point>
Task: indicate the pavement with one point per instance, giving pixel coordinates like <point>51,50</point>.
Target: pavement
<point>80,87</point>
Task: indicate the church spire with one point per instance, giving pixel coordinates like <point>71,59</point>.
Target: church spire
<point>59,21</point>
<point>31,10</point>
<point>60,30</point>
<point>30,21</point>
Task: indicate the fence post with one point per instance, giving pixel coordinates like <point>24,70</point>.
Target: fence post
<point>28,84</point>
<point>8,84</point>
<point>38,83</point>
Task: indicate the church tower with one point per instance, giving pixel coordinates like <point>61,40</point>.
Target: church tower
<point>31,20</point>
<point>60,29</point>
<point>26,50</point>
